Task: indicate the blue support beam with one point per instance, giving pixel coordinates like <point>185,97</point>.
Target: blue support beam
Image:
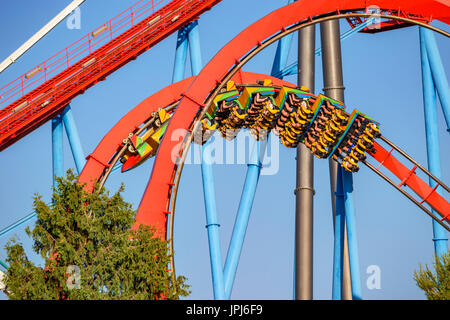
<point>74,139</point>
<point>17,224</point>
<point>428,45</point>
<point>4,265</point>
<point>243,215</point>
<point>194,48</point>
<point>350,218</point>
<point>431,131</point>
<point>282,53</point>
<point>57,148</point>
<point>180,56</point>
<point>339,236</point>
<point>212,224</point>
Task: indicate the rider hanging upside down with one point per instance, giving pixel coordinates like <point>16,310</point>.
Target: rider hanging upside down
<point>340,117</point>
<point>365,141</point>
<point>319,150</point>
<point>372,131</point>
<point>350,164</point>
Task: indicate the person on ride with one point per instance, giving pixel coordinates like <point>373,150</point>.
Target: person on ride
<point>350,164</point>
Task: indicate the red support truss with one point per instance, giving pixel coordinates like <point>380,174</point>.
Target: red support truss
<point>387,24</point>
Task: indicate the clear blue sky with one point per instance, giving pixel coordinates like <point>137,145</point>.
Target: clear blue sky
<point>382,78</point>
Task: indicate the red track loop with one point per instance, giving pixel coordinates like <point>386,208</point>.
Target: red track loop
<point>152,211</point>
<point>98,160</point>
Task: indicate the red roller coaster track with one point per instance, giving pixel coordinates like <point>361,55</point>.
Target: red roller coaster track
<point>99,160</point>
<point>47,100</point>
<point>148,27</point>
<point>152,211</point>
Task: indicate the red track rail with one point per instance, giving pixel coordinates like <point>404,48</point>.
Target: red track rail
<point>151,211</point>
<point>389,24</point>
<point>98,161</point>
<point>153,206</point>
<point>408,177</point>
<point>148,27</point>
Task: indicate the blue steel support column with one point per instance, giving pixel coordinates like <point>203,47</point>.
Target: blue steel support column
<point>281,56</point>
<point>57,148</point>
<point>212,223</point>
<point>180,56</point>
<point>243,215</point>
<point>339,233</point>
<point>431,130</point>
<point>194,48</point>
<point>437,71</point>
<point>74,139</point>
<point>355,276</point>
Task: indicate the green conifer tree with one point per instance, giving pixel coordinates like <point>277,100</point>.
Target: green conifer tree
<point>435,285</point>
<point>90,251</point>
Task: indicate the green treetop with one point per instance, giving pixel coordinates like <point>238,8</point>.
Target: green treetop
<point>436,285</point>
<point>90,251</point>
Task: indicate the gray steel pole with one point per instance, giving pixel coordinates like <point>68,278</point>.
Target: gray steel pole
<point>334,88</point>
<point>305,178</point>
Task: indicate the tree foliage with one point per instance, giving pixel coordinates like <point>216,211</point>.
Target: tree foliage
<point>436,285</point>
<point>92,233</point>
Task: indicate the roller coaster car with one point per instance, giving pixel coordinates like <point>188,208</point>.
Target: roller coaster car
<point>356,141</point>
<point>325,126</point>
<point>286,92</point>
<point>207,131</point>
<point>143,147</point>
<point>296,114</point>
<point>228,94</point>
<point>252,106</point>
<point>256,100</point>
<point>248,93</point>
<point>323,108</point>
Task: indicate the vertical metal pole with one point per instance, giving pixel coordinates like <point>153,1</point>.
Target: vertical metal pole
<point>194,48</point>
<point>334,88</point>
<point>305,178</point>
<point>437,71</point>
<point>57,148</point>
<point>243,215</point>
<point>180,56</point>
<point>212,223</point>
<point>74,139</point>
<point>339,232</point>
<point>355,276</point>
<point>431,130</point>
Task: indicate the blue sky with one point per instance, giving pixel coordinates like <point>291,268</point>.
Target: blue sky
<point>382,78</point>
